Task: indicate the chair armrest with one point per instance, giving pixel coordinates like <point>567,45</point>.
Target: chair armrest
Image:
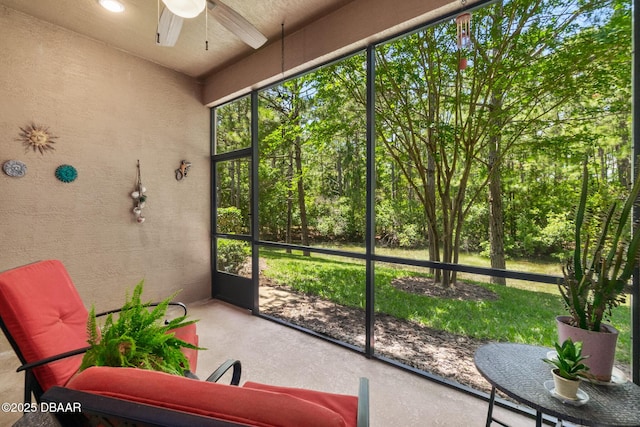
<point>35,364</point>
<point>218,373</point>
<point>153,304</point>
<point>363,403</point>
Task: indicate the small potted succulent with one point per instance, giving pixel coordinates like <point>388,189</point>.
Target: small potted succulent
<point>568,368</point>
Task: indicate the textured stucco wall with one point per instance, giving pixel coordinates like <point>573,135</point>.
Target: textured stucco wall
<point>108,109</point>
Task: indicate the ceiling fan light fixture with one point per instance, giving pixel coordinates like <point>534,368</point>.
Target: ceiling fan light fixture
<point>185,8</point>
<point>112,5</point>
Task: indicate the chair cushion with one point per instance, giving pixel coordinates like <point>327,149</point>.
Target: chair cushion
<point>40,300</point>
<point>244,405</point>
<point>346,406</point>
<point>188,334</point>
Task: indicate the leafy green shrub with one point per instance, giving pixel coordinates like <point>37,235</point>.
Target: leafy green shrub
<point>411,237</point>
<point>387,223</point>
<point>230,220</point>
<point>138,338</point>
<point>232,255</point>
<point>400,224</point>
<point>476,229</point>
<point>331,217</point>
<point>556,234</point>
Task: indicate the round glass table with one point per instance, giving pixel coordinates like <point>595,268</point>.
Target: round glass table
<point>518,371</point>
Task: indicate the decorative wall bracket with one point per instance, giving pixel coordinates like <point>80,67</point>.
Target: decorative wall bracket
<point>139,198</point>
<point>182,171</point>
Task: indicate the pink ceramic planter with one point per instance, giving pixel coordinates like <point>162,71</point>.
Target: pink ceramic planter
<point>599,346</point>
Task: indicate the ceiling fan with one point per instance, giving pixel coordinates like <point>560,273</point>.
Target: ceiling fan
<point>175,11</point>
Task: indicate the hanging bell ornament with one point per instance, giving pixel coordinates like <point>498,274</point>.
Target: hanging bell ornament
<point>463,27</point>
<point>463,32</point>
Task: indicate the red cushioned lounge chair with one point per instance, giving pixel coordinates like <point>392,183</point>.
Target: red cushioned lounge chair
<point>45,321</point>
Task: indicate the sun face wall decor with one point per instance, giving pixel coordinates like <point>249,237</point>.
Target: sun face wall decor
<point>37,137</point>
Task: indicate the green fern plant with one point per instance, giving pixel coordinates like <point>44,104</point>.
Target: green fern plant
<point>138,338</point>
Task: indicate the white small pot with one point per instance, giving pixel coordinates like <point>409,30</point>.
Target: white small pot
<point>564,387</point>
<point>135,195</point>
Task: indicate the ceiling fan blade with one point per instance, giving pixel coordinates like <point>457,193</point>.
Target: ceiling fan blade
<point>234,22</point>
<point>169,28</point>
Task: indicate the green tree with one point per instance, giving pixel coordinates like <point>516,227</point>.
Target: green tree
<point>288,103</point>
<point>526,61</point>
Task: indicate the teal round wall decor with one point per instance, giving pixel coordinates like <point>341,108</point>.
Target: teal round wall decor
<point>66,173</point>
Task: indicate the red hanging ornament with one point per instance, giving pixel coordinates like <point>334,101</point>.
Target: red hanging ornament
<point>463,32</point>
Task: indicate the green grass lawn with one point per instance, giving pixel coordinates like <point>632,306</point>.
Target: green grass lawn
<point>517,315</point>
<point>467,258</point>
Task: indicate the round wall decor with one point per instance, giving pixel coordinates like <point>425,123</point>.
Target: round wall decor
<point>66,173</point>
<point>37,137</point>
<point>14,168</point>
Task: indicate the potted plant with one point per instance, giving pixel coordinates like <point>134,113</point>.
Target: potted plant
<point>568,368</point>
<point>138,338</point>
<point>595,279</point>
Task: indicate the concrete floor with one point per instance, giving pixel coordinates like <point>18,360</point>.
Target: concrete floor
<point>274,354</point>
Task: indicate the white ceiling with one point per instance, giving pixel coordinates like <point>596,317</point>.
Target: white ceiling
<point>134,30</point>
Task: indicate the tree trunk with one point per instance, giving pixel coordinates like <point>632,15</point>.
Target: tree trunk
<point>432,234</point>
<point>288,238</point>
<point>232,184</point>
<point>301,198</point>
<point>496,222</point>
<point>339,179</point>
<point>603,164</point>
<point>625,175</point>
<point>496,215</point>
